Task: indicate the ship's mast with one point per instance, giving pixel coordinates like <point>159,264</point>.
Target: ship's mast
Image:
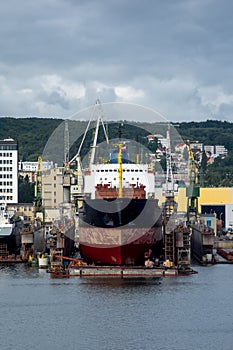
<point>119,160</point>
<point>120,170</point>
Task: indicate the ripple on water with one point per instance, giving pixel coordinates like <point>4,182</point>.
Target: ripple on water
<point>191,312</point>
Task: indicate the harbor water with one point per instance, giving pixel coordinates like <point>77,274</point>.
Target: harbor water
<point>176,313</point>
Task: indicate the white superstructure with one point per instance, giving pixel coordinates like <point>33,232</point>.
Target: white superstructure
<point>6,226</point>
<point>108,174</point>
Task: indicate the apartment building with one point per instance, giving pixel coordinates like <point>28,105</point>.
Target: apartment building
<point>9,170</point>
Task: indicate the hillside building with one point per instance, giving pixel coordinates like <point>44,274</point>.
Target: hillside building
<point>33,166</point>
<point>29,169</point>
<point>196,146</point>
<point>221,151</point>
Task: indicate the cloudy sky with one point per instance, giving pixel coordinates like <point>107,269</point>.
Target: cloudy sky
<point>58,56</point>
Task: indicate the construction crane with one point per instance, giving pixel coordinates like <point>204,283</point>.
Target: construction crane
<point>193,188</point>
<point>38,183</point>
<point>66,145</point>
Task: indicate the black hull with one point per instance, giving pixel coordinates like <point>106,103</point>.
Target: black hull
<point>119,231</point>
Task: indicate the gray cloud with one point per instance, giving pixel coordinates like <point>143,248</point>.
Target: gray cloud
<point>59,56</point>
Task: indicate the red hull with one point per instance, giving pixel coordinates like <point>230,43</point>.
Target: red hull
<point>131,254</point>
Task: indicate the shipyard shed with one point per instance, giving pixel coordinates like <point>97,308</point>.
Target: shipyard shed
<point>217,200</point>
<point>208,196</point>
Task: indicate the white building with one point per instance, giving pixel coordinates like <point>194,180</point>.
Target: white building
<point>9,170</point>
<point>217,150</point>
<point>33,166</point>
<point>220,150</point>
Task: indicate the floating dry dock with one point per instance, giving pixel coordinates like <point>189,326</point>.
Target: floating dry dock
<point>120,272</point>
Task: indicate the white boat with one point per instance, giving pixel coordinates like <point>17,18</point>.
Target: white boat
<point>43,262</point>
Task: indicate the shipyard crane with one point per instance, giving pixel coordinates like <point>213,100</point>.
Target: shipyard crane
<point>193,188</point>
<point>169,188</point>
<point>97,109</point>
<point>38,189</point>
<point>176,236</point>
<point>99,120</point>
<point>38,183</point>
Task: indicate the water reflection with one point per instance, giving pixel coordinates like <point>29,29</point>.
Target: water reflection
<point>40,311</point>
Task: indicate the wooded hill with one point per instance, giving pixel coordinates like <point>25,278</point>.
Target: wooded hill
<point>32,135</point>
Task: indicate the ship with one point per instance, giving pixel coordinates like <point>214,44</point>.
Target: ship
<point>120,219</point>
<point>7,234</point>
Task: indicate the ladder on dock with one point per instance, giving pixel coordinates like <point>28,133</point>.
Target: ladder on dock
<point>3,251</point>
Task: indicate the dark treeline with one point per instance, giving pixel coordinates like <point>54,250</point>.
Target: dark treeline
<point>32,135</point>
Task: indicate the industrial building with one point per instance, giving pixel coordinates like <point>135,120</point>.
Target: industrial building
<point>212,200</point>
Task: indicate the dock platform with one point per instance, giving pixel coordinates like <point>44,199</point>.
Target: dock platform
<point>122,272</point>
<point>12,260</point>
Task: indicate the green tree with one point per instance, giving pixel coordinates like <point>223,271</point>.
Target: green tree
<point>186,154</point>
<point>26,190</point>
<point>203,161</point>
